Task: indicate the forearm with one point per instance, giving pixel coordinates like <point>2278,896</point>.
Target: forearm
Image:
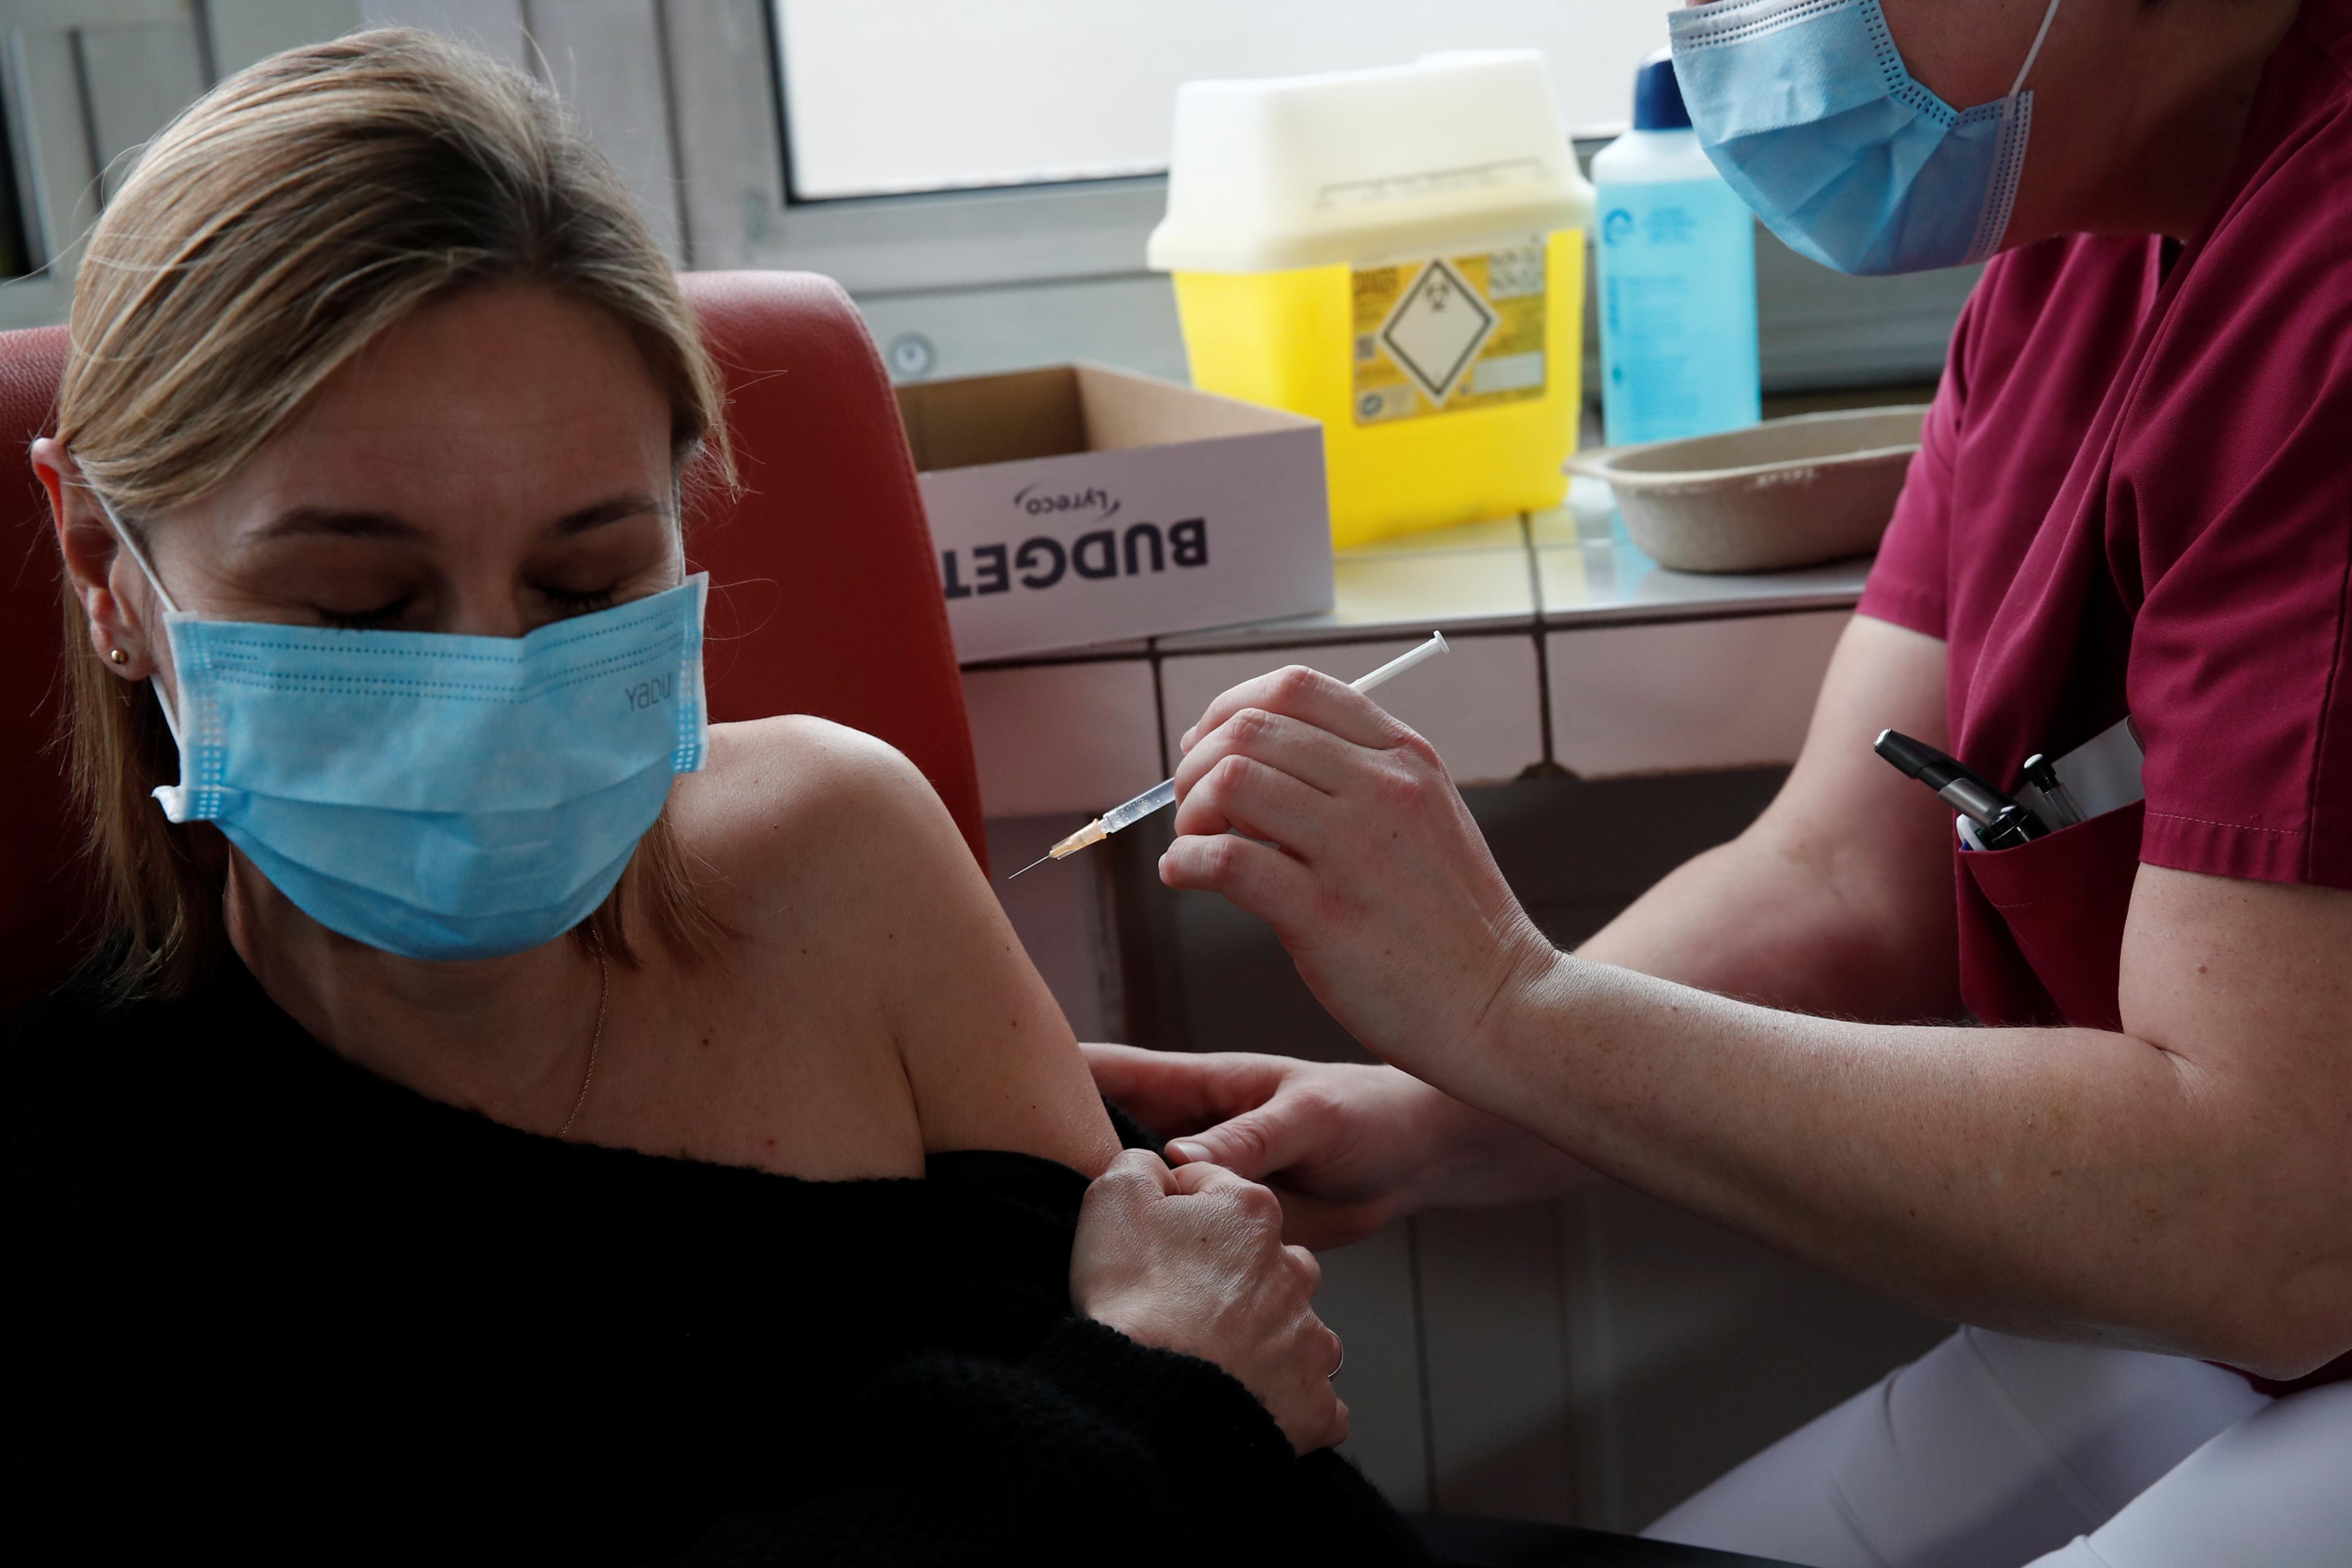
<point>2064,1182</point>
<point>1472,1158</point>
<point>1764,918</point>
<point>1770,918</point>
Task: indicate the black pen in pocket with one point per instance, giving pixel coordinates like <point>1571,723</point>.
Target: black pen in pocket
<point>2002,823</point>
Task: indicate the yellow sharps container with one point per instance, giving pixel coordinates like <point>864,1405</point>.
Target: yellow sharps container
<point>1399,254</point>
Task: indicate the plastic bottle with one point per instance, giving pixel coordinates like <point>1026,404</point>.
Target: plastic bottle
<point>1676,277</point>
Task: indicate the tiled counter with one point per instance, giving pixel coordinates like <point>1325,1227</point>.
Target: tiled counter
<point>1571,647</point>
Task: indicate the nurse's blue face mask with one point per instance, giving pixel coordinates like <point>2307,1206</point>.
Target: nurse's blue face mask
<point>431,794</point>
<point>1807,108</point>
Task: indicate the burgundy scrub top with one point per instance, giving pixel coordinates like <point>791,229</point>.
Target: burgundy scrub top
<point>2135,496</point>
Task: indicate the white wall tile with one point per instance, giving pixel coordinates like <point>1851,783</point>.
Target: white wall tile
<point>1063,737</point>
<point>1687,694</point>
<point>1477,704</point>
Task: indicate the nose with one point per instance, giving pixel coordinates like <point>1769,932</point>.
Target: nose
<point>486,605</point>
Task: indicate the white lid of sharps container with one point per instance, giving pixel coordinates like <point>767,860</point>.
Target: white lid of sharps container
<point>1366,166</point>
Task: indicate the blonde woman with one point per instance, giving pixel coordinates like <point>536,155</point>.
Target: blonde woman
<point>511,1118</point>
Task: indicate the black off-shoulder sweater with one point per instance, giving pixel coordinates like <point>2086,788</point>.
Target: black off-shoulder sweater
<point>272,1308</point>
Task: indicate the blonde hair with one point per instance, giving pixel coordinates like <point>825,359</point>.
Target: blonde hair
<point>266,235</point>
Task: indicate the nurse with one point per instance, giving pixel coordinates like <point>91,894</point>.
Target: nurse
<point>2126,1155</point>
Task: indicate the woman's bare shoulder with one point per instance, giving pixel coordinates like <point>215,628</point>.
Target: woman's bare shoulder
<point>784,1054</point>
<point>801,764</point>
<point>805,833</point>
<point>784,802</point>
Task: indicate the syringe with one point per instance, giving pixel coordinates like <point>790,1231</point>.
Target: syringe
<point>1164,792</point>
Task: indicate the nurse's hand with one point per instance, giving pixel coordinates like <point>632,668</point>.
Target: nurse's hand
<point>1373,874</point>
<point>1346,1147</point>
<point>1192,1261</point>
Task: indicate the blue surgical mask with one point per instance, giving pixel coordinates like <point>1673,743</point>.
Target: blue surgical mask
<point>430,795</point>
<point>1807,108</point>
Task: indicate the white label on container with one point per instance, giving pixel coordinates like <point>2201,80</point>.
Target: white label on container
<point>1516,273</point>
<point>1508,373</point>
<point>1437,329</point>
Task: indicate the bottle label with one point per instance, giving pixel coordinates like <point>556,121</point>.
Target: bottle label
<point>1449,334</point>
<point>1677,297</point>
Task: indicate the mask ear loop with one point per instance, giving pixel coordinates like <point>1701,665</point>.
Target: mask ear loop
<point>1995,213</point>
<point>2033,54</point>
<point>129,541</point>
<point>173,796</point>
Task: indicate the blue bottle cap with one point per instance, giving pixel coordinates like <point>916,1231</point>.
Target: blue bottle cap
<point>1657,96</point>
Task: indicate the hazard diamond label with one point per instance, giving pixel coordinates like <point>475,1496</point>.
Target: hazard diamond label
<point>1437,329</point>
<point>1450,334</point>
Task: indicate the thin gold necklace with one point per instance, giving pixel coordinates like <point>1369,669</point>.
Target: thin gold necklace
<point>595,1040</point>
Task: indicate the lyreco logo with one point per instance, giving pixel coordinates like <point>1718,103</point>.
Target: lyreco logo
<point>1038,502</point>
<point>1044,562</point>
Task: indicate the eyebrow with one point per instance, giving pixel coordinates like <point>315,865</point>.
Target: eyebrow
<point>588,518</point>
<point>303,520</point>
<point>310,520</point>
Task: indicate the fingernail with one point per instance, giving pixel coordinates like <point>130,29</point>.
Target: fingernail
<point>1194,1153</point>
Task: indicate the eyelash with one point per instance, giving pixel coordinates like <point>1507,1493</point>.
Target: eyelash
<point>375,620</point>
<point>580,603</point>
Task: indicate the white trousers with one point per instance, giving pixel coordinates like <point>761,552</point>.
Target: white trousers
<point>1995,1452</point>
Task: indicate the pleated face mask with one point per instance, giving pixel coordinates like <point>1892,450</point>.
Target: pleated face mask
<point>431,794</point>
<point>1807,108</point>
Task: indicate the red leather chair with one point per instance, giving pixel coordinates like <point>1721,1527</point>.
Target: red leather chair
<point>824,592</point>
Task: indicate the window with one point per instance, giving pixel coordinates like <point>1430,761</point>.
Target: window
<point>898,97</point>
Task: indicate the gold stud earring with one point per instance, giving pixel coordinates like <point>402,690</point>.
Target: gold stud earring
<point>118,655</point>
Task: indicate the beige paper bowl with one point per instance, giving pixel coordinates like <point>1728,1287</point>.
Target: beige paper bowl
<point>1787,492</point>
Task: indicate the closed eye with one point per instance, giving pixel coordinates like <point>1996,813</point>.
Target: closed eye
<point>572,604</point>
<point>382,618</point>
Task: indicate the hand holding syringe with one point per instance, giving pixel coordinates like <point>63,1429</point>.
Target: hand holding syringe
<point>1164,792</point>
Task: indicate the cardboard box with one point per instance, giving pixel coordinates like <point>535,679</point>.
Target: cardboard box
<point>1081,505</point>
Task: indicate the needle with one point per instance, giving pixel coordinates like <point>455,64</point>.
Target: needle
<point>1161,795</point>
